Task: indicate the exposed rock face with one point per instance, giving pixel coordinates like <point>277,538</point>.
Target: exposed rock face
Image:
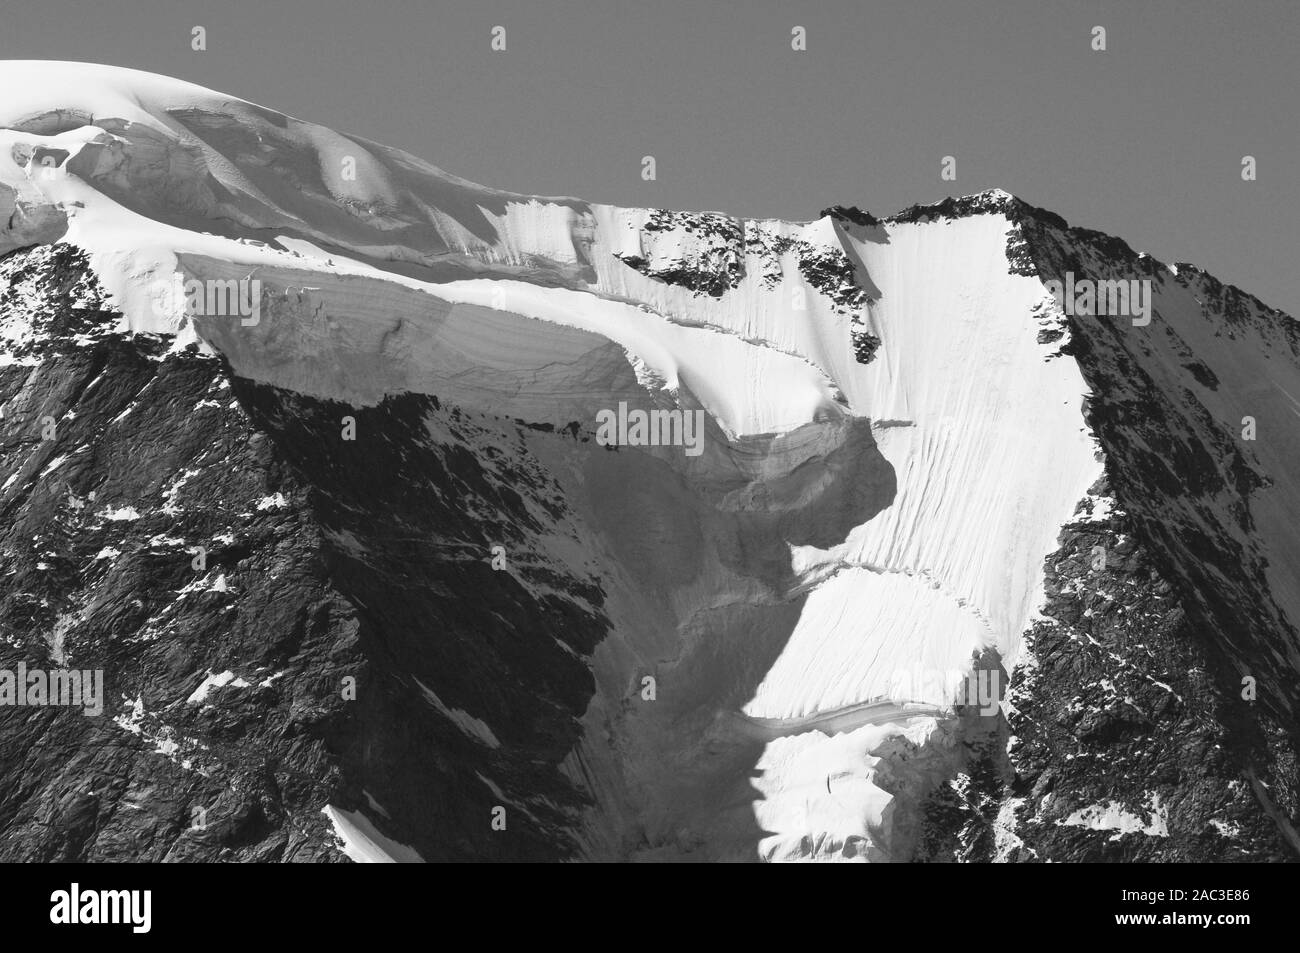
<point>709,254</point>
<point>1128,740</point>
<point>325,560</point>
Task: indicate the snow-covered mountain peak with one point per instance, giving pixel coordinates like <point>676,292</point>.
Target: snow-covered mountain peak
<point>899,416</point>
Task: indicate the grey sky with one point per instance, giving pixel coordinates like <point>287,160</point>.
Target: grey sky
<point>1143,141</point>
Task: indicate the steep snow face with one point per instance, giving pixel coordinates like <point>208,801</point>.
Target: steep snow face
<point>983,424</point>
<point>892,441</point>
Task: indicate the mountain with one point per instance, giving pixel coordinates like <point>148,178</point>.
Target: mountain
<point>337,468</point>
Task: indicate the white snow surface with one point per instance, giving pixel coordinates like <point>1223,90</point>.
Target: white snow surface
<point>987,440</point>
<point>1113,816</point>
<point>475,728</point>
<point>363,843</point>
<point>211,681</point>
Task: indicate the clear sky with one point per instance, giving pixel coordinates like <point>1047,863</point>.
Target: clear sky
<point>1144,140</point>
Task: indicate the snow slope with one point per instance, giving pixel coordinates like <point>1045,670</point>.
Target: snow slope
<point>987,438</point>
<point>363,843</point>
